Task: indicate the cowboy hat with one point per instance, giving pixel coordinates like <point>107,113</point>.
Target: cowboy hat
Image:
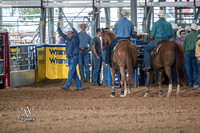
<point>142,34</point>
<point>193,26</point>
<point>175,26</point>
<point>162,14</point>
<point>179,32</point>
<point>188,28</point>
<point>79,26</point>
<point>111,27</point>
<point>125,14</point>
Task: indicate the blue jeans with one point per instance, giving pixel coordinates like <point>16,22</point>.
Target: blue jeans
<point>105,70</point>
<point>84,64</point>
<point>72,63</point>
<point>148,48</point>
<point>198,77</point>
<point>191,68</point>
<point>97,69</point>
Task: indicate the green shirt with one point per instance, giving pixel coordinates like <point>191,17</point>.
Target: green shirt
<point>162,28</point>
<point>190,40</point>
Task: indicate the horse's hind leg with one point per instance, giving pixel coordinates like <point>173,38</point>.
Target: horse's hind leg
<point>112,71</point>
<point>147,84</point>
<point>178,86</point>
<point>123,81</point>
<point>169,75</point>
<point>160,83</point>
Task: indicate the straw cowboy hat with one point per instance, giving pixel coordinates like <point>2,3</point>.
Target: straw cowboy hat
<point>4,30</point>
<point>193,26</point>
<point>111,27</point>
<point>79,26</point>
<point>188,28</point>
<point>179,32</point>
<point>142,34</point>
<point>162,14</point>
<point>175,26</point>
<point>125,14</point>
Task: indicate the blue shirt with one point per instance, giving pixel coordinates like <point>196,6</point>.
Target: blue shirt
<point>61,41</point>
<point>123,28</point>
<point>72,46</point>
<point>174,38</point>
<point>85,41</point>
<point>162,28</point>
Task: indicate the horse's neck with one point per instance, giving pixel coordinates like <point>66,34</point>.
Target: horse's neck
<point>112,38</point>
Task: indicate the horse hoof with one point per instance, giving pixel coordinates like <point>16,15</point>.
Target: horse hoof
<point>146,94</point>
<point>160,94</point>
<point>178,94</point>
<point>112,94</point>
<point>123,95</point>
<point>129,91</point>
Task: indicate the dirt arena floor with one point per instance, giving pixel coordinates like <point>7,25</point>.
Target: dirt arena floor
<point>92,110</point>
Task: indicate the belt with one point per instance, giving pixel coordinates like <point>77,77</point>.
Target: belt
<point>83,48</point>
<point>72,56</point>
<point>189,51</point>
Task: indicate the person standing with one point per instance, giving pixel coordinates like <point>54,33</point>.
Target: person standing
<point>85,42</point>
<point>97,57</point>
<point>162,30</point>
<point>188,45</point>
<point>72,51</point>
<point>180,33</point>
<point>123,29</point>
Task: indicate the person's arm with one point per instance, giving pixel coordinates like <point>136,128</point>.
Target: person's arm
<point>172,31</point>
<point>183,42</point>
<point>153,31</point>
<point>95,52</point>
<point>60,31</point>
<point>74,30</point>
<point>89,42</point>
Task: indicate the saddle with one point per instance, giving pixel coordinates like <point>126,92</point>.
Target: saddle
<point>155,50</point>
<point>119,42</point>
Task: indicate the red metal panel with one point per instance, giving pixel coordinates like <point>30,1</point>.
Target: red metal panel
<point>6,73</point>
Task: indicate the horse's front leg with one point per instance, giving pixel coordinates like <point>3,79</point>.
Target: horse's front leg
<point>169,75</point>
<point>123,82</point>
<point>160,83</point>
<point>112,71</point>
<point>147,84</point>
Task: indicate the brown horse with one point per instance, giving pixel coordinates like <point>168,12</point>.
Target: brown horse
<point>169,53</point>
<point>124,56</point>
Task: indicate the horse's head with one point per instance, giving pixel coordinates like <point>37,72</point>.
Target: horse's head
<point>107,37</point>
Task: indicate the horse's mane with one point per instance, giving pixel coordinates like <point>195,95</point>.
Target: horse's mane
<point>110,34</point>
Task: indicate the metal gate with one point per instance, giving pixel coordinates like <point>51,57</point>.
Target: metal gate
<point>4,60</point>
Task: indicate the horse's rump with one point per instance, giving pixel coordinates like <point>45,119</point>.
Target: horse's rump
<point>125,55</point>
<point>170,53</point>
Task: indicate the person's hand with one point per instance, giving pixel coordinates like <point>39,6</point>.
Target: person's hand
<point>71,25</point>
<point>58,24</point>
<point>80,52</point>
<point>98,57</point>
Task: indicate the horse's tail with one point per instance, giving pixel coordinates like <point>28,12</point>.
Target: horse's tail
<point>131,64</point>
<point>179,55</point>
